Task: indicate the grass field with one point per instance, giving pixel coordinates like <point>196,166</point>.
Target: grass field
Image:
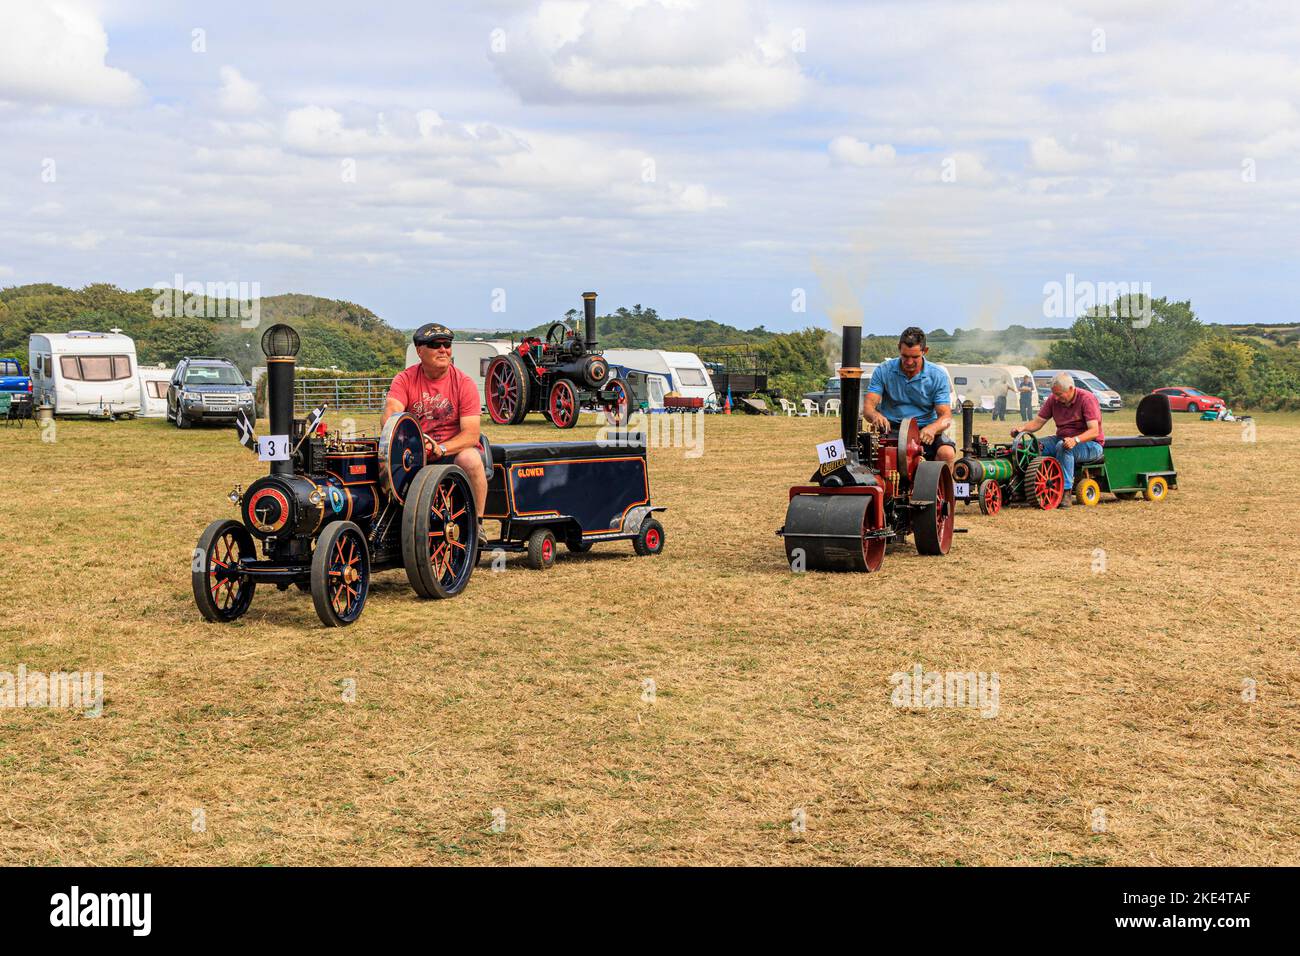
<point>1121,693</point>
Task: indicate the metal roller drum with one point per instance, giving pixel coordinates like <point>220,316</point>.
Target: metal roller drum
<point>830,532</point>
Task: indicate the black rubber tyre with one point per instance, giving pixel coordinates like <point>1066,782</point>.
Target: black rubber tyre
<point>439,532</point>
<point>340,574</point>
<point>181,420</point>
<point>576,545</point>
<point>220,592</point>
<point>932,523</point>
<point>541,549</point>
<point>1193,407</point>
<point>650,539</point>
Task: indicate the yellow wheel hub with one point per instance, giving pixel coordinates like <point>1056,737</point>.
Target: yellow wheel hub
<point>1156,489</point>
<point>1088,492</point>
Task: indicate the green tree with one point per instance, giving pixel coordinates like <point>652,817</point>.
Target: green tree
<point>1220,366</point>
<point>1125,349</point>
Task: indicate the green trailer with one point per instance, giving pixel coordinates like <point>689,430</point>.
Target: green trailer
<point>1133,465</point>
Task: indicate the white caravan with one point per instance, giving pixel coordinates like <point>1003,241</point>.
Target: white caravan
<point>683,372</point>
<point>471,357</point>
<point>85,373</point>
<point>982,385</point>
<point>154,380</point>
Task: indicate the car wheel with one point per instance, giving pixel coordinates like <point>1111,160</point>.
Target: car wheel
<point>1193,407</point>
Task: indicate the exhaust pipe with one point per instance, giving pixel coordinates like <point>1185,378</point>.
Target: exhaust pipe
<point>851,388</point>
<point>589,318</point>
<point>967,427</point>
<point>280,344</point>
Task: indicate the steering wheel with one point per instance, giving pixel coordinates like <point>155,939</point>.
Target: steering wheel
<point>1024,449</point>
<point>556,334</point>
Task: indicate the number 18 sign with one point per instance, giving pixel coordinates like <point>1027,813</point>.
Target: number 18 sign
<point>831,451</point>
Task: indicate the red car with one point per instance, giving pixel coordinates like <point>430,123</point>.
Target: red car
<point>1189,399</point>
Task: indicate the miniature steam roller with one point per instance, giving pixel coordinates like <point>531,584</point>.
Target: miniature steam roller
<point>578,493</point>
<point>1132,465</point>
<point>557,376</point>
<point>869,491</point>
<point>333,511</point>
<point>996,475</point>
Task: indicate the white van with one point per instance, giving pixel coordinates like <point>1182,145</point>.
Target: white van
<point>1107,397</point>
<point>685,374</point>
<point>154,380</point>
<point>85,373</point>
<point>471,357</point>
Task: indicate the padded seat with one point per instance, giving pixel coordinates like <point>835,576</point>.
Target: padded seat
<point>618,444</point>
<point>1137,441</point>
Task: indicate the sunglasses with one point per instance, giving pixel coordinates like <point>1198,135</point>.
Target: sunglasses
<point>435,344</point>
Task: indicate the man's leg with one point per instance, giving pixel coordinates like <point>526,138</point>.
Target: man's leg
<point>470,461</point>
<point>1054,447</point>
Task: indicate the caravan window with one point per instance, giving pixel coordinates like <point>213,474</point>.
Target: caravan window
<point>95,368</point>
<point>9,367</point>
<point>49,367</point>
<point>690,376</point>
<point>157,388</point>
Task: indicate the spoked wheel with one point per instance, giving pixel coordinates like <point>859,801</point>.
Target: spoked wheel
<point>1024,449</point>
<point>507,389</point>
<point>439,532</point>
<point>650,539</point>
<point>221,591</point>
<point>834,533</point>
<point>618,413</point>
<point>562,404</point>
<point>340,574</point>
<point>932,522</point>
<point>1044,483</point>
<point>990,497</point>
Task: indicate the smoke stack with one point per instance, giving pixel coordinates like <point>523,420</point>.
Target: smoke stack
<point>967,427</point>
<point>280,345</point>
<point>850,386</point>
<point>589,318</point>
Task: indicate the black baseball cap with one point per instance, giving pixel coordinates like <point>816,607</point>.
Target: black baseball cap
<point>432,332</point>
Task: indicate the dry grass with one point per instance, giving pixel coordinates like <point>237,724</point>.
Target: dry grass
<point>1119,690</point>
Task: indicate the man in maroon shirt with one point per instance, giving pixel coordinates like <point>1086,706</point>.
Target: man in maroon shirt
<point>1078,439</point>
<point>444,400</point>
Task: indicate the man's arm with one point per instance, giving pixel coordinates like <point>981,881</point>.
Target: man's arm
<point>1093,428</point>
<point>391,407</point>
<point>870,413</point>
<point>1033,426</point>
<point>467,437</point>
<point>939,425</point>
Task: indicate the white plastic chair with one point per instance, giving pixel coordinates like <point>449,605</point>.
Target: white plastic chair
<point>833,407</point>
<point>787,406</point>
<point>810,407</point>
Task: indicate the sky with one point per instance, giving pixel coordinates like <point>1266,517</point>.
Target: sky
<point>786,164</point>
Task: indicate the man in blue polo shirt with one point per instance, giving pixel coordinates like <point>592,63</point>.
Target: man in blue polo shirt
<point>910,387</point>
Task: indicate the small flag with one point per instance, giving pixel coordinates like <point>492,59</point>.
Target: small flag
<point>314,418</point>
<point>244,431</point>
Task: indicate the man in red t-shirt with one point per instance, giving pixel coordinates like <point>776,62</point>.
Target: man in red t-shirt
<point>1078,439</point>
<point>444,400</point>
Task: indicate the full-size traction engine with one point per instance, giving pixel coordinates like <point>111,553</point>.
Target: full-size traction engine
<point>1015,472</point>
<point>877,490</point>
<point>557,375</point>
<point>333,511</point>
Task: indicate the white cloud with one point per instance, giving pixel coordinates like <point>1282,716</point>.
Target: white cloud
<point>237,94</point>
<point>1049,156</point>
<point>281,250</point>
<point>53,53</point>
<point>717,53</point>
<point>848,151</point>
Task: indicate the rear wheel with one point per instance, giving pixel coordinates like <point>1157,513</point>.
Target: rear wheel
<point>562,404</point>
<point>650,539</point>
<point>618,413</point>
<point>340,574</point>
<point>439,532</point>
<point>1156,489</point>
<point>221,591</point>
<point>932,522</point>
<point>1044,483</point>
<point>507,389</point>
<point>541,549</point>
<point>990,497</point>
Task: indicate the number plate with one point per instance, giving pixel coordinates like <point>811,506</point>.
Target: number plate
<point>273,448</point>
<point>831,451</point>
<point>961,489</point>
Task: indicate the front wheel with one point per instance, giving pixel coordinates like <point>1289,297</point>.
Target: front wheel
<point>562,404</point>
<point>1088,492</point>
<point>439,532</point>
<point>1156,489</point>
<point>222,591</point>
<point>990,497</point>
<point>650,539</point>
<point>541,549</point>
<point>1193,407</point>
<point>340,574</point>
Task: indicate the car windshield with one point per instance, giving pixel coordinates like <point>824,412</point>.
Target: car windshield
<point>832,385</point>
<point>213,375</point>
<point>1094,385</point>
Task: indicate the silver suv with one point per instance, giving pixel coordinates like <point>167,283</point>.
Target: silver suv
<point>207,390</point>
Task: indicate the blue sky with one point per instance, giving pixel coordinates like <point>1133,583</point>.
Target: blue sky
<point>932,163</point>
